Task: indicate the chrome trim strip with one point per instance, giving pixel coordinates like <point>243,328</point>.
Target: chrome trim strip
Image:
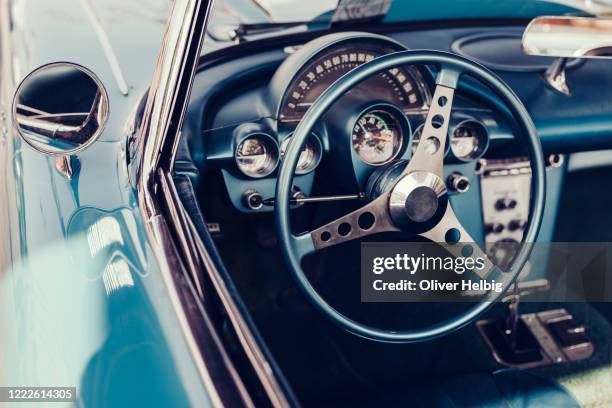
<point>105,43</point>
<point>161,105</point>
<point>171,195</point>
<point>152,131</point>
<point>157,226</point>
<point>158,131</point>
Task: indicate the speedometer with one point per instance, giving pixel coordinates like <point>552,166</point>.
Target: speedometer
<point>313,72</point>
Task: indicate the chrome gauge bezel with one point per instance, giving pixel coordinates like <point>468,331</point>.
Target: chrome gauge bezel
<point>482,135</point>
<point>404,127</point>
<point>317,148</point>
<point>273,155</point>
<point>414,140</point>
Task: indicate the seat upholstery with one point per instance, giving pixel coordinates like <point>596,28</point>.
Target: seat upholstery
<point>507,388</point>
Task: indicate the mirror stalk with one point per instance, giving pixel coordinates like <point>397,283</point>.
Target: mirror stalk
<point>555,76</point>
<point>67,166</point>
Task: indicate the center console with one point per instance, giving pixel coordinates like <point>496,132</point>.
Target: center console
<point>505,192</point>
<point>533,339</point>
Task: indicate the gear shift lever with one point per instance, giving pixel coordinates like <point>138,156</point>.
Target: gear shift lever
<point>510,336</point>
<point>534,339</point>
<point>512,319</point>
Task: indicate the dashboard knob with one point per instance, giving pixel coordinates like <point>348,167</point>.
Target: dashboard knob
<point>516,225</point>
<point>252,199</point>
<point>297,194</point>
<point>458,182</point>
<point>505,204</point>
<point>495,228</point>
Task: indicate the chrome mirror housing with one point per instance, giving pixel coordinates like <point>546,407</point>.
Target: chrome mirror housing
<point>60,109</point>
<point>569,37</point>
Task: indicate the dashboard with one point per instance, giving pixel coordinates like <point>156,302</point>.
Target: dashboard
<point>376,123</point>
<point>245,106</point>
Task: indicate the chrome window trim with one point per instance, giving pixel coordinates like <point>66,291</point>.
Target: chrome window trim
<point>157,132</point>
<point>173,70</point>
<point>152,131</point>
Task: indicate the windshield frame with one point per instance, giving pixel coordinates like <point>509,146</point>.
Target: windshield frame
<point>249,26</point>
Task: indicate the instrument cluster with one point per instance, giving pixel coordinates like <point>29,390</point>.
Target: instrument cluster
<point>379,135</point>
<point>376,123</point>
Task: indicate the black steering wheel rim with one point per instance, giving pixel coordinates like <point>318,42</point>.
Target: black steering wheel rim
<point>451,67</point>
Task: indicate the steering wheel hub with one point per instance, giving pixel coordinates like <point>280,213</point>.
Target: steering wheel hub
<point>421,204</point>
<point>418,201</point>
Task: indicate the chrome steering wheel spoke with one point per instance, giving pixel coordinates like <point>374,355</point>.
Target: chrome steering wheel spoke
<point>429,153</point>
<point>370,219</point>
<point>457,241</point>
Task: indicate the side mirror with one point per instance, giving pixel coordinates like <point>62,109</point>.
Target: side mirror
<point>569,37</point>
<point>60,109</point>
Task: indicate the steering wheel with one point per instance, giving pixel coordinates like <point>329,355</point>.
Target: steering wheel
<point>417,202</point>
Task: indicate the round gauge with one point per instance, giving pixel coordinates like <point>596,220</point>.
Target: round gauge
<point>257,155</point>
<point>310,156</point>
<point>469,140</point>
<point>377,137</point>
<point>404,86</point>
<point>431,147</point>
